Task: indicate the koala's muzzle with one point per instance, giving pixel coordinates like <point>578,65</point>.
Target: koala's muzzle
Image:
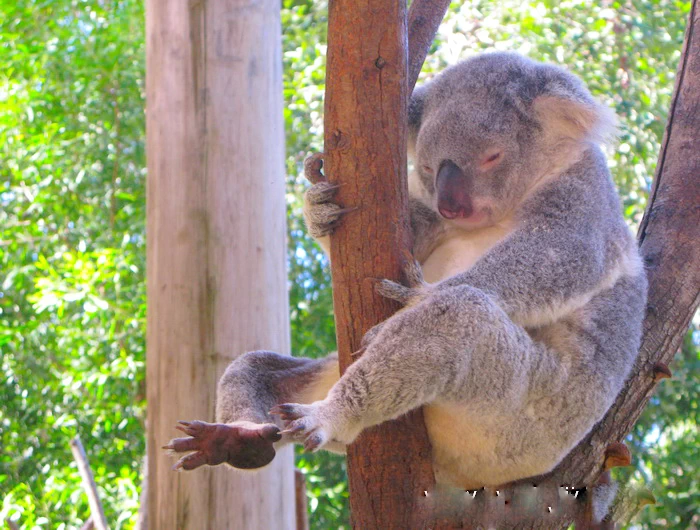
<point>453,191</point>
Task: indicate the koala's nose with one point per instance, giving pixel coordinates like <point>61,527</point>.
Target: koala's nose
<point>453,191</point>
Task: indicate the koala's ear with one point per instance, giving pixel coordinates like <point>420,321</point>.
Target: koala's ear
<point>415,108</point>
<point>566,109</point>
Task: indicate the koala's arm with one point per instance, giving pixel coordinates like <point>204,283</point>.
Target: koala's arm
<point>322,216</point>
<point>567,247</point>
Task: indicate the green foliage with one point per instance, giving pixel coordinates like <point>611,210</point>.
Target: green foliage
<point>72,296</point>
<point>72,254</point>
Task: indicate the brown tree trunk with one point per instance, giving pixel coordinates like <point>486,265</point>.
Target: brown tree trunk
<point>217,283</point>
<point>365,152</point>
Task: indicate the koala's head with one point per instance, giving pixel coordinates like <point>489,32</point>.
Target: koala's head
<point>486,131</point>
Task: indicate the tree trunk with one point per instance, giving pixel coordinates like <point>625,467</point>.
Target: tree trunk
<point>365,152</point>
<point>217,284</point>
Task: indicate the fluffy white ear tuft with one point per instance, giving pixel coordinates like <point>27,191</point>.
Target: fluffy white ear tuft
<point>568,118</point>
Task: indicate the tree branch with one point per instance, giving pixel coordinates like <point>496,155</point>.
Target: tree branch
<point>97,514</point>
<point>424,18</point>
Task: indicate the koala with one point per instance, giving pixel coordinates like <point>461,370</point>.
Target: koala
<point>522,315</point>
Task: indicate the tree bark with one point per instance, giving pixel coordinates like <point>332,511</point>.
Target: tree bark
<point>217,283</point>
<point>424,18</point>
<point>365,152</point>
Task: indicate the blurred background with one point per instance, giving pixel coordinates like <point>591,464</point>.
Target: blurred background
<point>72,235</point>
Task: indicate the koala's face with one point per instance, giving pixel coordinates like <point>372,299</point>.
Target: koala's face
<point>486,130</point>
<point>471,157</point>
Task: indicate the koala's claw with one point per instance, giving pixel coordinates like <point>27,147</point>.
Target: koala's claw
<point>321,193</point>
<point>244,445</point>
<point>395,291</point>
<point>322,216</point>
<point>303,422</point>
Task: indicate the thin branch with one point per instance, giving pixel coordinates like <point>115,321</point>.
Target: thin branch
<point>97,513</point>
<point>300,494</point>
<point>424,18</point>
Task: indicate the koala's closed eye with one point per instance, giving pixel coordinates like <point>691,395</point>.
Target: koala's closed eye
<point>491,159</point>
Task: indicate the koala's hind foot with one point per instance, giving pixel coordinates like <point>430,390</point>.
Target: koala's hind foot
<point>244,445</point>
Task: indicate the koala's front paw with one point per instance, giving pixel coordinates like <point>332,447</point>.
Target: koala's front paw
<point>416,290</point>
<point>313,423</point>
<point>321,215</point>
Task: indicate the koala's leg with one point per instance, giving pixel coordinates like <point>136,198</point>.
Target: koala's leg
<point>454,346</point>
<point>245,435</point>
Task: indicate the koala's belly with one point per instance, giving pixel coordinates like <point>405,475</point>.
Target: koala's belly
<point>459,250</point>
<point>465,447</point>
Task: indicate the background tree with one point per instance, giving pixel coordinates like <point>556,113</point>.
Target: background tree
<point>72,173</point>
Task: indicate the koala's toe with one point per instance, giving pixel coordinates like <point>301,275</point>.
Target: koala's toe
<point>321,193</point>
<point>315,440</point>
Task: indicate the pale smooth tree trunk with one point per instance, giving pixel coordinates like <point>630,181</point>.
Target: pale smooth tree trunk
<point>217,283</point>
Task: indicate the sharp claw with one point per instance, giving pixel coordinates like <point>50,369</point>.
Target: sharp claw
<point>358,353</point>
<point>169,447</point>
<point>278,410</point>
<point>284,410</point>
<point>185,423</point>
<point>292,432</point>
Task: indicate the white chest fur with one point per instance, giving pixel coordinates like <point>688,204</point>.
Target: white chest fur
<point>459,250</point>
<point>453,431</point>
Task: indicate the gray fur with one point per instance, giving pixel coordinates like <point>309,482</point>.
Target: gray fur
<point>517,355</point>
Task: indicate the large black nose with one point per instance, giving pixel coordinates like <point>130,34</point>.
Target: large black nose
<point>453,191</point>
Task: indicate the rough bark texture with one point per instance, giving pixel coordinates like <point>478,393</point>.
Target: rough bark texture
<point>217,283</point>
<point>365,152</point>
<point>424,17</point>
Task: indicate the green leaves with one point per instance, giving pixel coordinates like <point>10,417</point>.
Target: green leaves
<point>72,297</point>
